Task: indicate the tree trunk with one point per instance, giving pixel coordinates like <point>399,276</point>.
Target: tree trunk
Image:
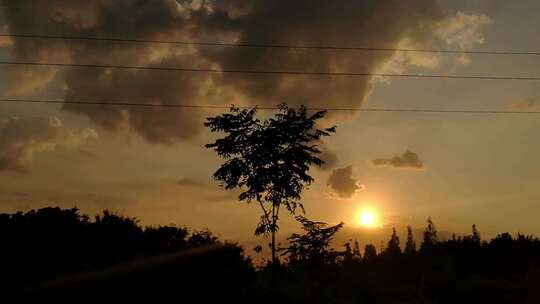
<point>274,258</point>
<point>273,247</point>
<point>273,231</point>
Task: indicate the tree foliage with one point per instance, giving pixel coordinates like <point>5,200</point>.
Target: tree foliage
<point>370,252</point>
<point>410,245</point>
<point>268,160</point>
<point>393,248</point>
<point>312,247</point>
<point>475,236</point>
<point>89,260</point>
<point>62,256</point>
<point>430,236</point>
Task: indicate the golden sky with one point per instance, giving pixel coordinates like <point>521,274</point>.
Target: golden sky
<point>459,169</point>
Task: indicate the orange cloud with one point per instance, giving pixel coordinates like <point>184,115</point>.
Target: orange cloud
<point>408,159</point>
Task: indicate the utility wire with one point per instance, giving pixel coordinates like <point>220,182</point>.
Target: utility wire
<point>352,109</point>
<point>265,45</point>
<point>260,72</point>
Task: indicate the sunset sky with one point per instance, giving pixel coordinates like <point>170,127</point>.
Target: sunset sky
<point>151,163</point>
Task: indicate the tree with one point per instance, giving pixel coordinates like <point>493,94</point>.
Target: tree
<point>410,246</point>
<point>202,238</point>
<point>268,160</point>
<point>312,247</point>
<point>370,252</point>
<point>356,249</point>
<point>348,253</point>
<point>430,236</point>
<point>475,237</point>
<point>393,248</point>
<point>351,253</point>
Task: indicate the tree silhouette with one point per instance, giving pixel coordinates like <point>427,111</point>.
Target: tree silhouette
<point>202,238</point>
<point>370,252</point>
<point>410,246</point>
<point>351,253</point>
<point>312,247</point>
<point>268,160</point>
<point>475,237</point>
<point>165,239</point>
<point>356,249</point>
<point>393,248</point>
<point>348,253</point>
<point>111,256</point>
<point>430,236</point>
<point>64,256</point>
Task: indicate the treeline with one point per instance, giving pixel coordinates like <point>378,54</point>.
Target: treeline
<point>65,256</point>
<point>505,269</point>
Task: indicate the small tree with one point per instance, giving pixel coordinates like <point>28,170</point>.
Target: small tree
<point>430,236</point>
<point>410,246</point>
<point>370,252</point>
<point>351,253</point>
<point>348,253</point>
<point>475,237</point>
<point>268,160</point>
<point>356,249</point>
<point>312,247</point>
<point>393,248</point>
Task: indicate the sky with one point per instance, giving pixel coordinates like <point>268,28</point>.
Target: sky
<point>458,169</point>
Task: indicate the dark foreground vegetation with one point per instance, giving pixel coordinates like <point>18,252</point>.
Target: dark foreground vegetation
<point>61,255</point>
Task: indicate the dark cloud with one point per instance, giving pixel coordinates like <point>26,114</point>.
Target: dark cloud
<point>21,138</point>
<point>305,22</point>
<point>158,19</point>
<point>342,182</point>
<point>523,104</point>
<point>408,159</point>
<point>302,22</point>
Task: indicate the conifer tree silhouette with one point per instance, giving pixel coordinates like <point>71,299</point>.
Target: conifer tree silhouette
<point>393,248</point>
<point>410,246</point>
<point>430,236</point>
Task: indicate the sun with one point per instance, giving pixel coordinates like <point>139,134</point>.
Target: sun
<point>368,218</point>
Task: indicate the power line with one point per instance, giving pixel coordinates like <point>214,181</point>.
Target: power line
<point>260,72</point>
<point>265,45</point>
<point>352,109</point>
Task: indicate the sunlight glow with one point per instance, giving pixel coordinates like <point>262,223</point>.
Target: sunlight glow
<point>368,218</point>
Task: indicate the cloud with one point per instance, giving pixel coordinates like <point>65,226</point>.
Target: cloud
<point>385,23</point>
<point>408,159</point>
<point>21,138</point>
<point>37,198</point>
<point>523,104</point>
<point>329,157</point>
<point>87,153</point>
<point>222,198</point>
<point>186,182</point>
<point>459,30</point>
<point>342,182</point>
<point>462,30</point>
